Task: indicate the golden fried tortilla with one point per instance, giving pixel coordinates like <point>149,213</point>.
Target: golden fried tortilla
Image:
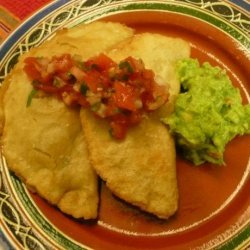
<point>44,146</point>
<point>43,143</point>
<point>83,40</point>
<point>141,168</point>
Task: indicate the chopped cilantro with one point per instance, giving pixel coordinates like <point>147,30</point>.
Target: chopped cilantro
<point>30,97</point>
<point>126,65</point>
<point>83,89</point>
<point>95,66</point>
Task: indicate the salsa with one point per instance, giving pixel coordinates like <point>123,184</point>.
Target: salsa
<point>121,93</point>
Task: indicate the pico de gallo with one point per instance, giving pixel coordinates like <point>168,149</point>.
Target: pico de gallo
<point>121,93</point>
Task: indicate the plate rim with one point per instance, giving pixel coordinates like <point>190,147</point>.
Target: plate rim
<point>48,9</point>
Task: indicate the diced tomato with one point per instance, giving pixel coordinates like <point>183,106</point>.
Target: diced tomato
<point>124,96</point>
<point>47,88</point>
<point>46,77</point>
<point>30,60</point>
<point>118,131</point>
<point>32,72</point>
<point>82,101</point>
<point>161,96</point>
<point>120,118</point>
<point>119,126</point>
<point>92,81</point>
<point>105,80</point>
<point>111,108</point>
<point>66,88</point>
<point>148,74</point>
<point>62,63</point>
<point>37,71</point>
<point>135,118</point>
<point>31,68</point>
<point>103,62</point>
<point>136,65</point>
<point>147,98</point>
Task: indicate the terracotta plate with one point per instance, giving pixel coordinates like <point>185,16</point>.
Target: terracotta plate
<point>214,205</point>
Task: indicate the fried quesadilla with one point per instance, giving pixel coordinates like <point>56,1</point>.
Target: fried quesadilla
<point>141,168</point>
<point>43,142</point>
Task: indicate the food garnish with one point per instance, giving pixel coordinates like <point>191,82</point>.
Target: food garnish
<point>30,97</point>
<point>121,93</point>
<point>208,112</point>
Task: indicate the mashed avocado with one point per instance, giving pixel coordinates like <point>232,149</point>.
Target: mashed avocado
<point>208,112</point>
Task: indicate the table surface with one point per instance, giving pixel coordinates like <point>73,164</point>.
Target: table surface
<point>13,12</point>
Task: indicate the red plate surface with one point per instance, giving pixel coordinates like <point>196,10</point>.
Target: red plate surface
<point>214,200</point>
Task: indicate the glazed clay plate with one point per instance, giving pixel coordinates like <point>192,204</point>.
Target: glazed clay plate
<point>214,203</point>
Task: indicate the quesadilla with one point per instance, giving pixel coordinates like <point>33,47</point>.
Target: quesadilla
<point>140,169</point>
<point>42,138</point>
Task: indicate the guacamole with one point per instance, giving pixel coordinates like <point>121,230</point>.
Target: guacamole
<point>208,112</point>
